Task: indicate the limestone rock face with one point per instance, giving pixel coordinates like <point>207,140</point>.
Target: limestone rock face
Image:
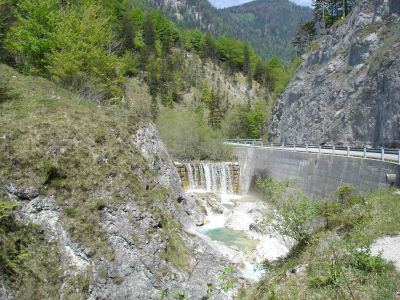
<point>348,89</point>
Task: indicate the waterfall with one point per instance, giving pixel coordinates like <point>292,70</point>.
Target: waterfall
<point>211,177</point>
<point>191,177</point>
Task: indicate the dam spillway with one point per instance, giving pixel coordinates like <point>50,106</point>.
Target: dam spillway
<point>216,177</point>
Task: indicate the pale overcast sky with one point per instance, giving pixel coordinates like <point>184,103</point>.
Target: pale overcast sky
<point>227,3</point>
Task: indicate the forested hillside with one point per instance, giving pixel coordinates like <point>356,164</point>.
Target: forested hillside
<point>268,25</point>
<point>95,47</point>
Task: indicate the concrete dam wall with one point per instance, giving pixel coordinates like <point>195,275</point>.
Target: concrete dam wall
<point>318,175</point>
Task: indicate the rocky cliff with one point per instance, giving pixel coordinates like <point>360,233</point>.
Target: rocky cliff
<point>101,213</point>
<point>347,89</point>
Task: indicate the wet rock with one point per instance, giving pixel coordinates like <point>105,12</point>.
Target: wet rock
<point>256,228</point>
<point>215,205</point>
<point>200,222</point>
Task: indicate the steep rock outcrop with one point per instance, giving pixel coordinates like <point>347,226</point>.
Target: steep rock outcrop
<point>103,199</point>
<point>347,90</point>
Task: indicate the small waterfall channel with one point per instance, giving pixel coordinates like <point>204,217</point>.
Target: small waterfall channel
<point>210,177</point>
<point>230,220</point>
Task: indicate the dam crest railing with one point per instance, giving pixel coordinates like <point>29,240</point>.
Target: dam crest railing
<point>384,154</point>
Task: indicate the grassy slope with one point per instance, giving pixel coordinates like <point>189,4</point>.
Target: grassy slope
<point>81,153</point>
<point>333,268</point>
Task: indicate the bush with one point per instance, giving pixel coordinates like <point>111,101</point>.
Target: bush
<point>362,260</point>
<point>344,192</point>
<point>51,171</point>
<point>129,64</point>
<point>243,121</point>
<point>100,135</point>
<point>295,216</point>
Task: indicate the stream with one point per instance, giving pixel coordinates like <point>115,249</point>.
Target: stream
<point>231,222</point>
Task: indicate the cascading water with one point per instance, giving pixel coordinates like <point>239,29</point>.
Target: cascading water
<point>227,218</point>
<point>212,177</point>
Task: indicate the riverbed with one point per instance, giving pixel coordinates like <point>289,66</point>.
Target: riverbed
<point>235,231</point>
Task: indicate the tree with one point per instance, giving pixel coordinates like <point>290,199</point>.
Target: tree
<point>32,38</point>
<point>209,47</point>
<point>328,12</point>
<point>6,18</point>
<point>152,79</point>
<point>235,124</point>
<point>304,36</point>
<point>164,30</point>
<point>149,34</point>
<point>257,120</point>
<point>247,65</point>
<point>215,116</point>
<point>81,59</point>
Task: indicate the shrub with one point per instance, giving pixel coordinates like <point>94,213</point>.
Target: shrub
<point>51,171</point>
<point>129,64</point>
<point>70,212</point>
<point>362,260</point>
<point>332,277</point>
<point>294,217</point>
<point>344,192</point>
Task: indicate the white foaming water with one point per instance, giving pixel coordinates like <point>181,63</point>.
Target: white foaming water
<point>192,184</point>
<point>230,231</point>
<point>211,177</point>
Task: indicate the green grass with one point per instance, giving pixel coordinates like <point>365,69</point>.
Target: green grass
<point>341,267</point>
<point>176,252</point>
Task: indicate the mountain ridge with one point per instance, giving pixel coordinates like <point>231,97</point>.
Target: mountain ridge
<point>235,23</point>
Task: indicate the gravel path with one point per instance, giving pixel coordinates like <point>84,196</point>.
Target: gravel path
<point>390,247</point>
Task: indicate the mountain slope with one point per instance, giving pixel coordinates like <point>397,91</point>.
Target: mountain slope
<point>347,89</point>
<point>269,25</point>
<point>259,22</point>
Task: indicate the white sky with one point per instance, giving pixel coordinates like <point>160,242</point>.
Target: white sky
<point>228,3</point>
